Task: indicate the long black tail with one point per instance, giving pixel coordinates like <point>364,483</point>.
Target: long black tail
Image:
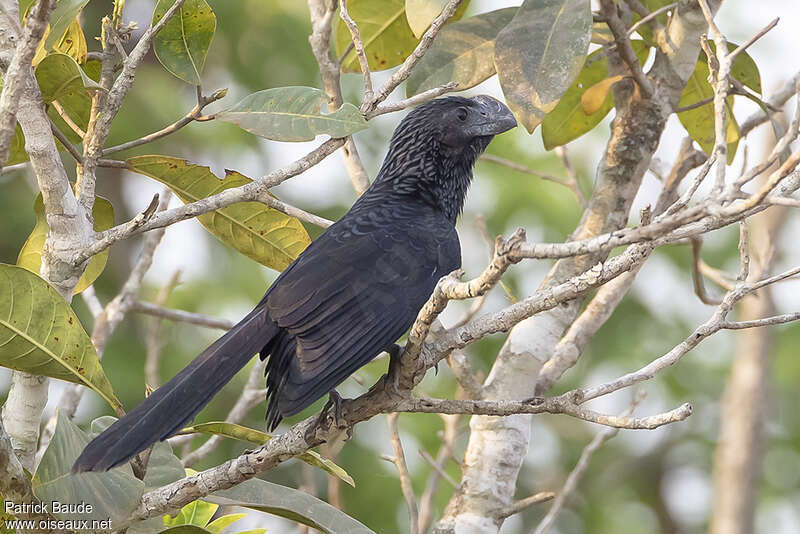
<point>175,403</point>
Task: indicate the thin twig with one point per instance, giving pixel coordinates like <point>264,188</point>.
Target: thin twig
<point>401,74</point>
<point>421,98</point>
<point>523,504</point>
<point>66,142</point>
<point>399,461</point>
<point>14,77</point>
<point>67,119</point>
<point>180,315</point>
<point>649,17</point>
<point>527,170</point>
<point>566,404</point>
<point>577,473</point>
<point>358,44</point>
<point>626,52</point>
<point>192,115</point>
<point>251,396</point>
<point>153,344</point>
<point>697,276</point>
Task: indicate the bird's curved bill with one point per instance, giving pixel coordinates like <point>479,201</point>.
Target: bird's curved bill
<point>497,117</point>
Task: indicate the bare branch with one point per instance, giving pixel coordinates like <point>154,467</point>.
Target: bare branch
<point>401,74</point>
<point>322,14</point>
<point>697,276</point>
<point>152,342</point>
<point>399,461</point>
<point>572,186</point>
<point>564,404</point>
<point>625,49</point>
<point>577,473</point>
<point>19,68</point>
<point>192,115</point>
<point>411,101</point>
<point>250,397</point>
<point>650,16</point>
<point>523,504</point>
<point>252,191</point>
<point>426,501</point>
<point>180,315</point>
<point>358,44</point>
<point>777,100</point>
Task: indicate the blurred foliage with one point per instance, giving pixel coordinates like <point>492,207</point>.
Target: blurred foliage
<point>263,44</point>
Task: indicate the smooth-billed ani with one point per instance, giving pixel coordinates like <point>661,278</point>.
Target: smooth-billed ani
<point>350,295</point>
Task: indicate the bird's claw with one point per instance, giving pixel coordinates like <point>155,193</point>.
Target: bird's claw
<point>334,403</point>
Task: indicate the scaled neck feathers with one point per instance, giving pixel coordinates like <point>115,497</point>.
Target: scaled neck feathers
<point>419,165</point>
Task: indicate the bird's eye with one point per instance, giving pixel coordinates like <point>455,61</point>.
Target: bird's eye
<point>461,114</point>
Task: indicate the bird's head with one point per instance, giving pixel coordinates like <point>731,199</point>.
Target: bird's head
<point>435,146</point>
<point>456,123</point>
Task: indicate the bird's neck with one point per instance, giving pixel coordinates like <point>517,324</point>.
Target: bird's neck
<point>438,176</point>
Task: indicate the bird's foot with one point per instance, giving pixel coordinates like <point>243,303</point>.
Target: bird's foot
<point>333,405</point>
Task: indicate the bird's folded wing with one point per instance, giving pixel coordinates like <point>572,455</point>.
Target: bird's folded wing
<point>375,279</point>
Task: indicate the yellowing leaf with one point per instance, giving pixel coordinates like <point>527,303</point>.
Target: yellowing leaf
<point>539,53</point>
<point>699,122</point>
<point>62,17</point>
<point>40,334</point>
<point>263,234</point>
<point>385,31</point>
<point>30,256</point>
<point>569,119</point>
<point>593,98</point>
<point>463,52</point>
<point>73,42</point>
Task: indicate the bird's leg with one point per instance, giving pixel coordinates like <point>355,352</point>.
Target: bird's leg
<point>335,402</point>
<point>394,351</point>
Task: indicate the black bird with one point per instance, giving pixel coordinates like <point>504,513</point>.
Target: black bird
<point>350,295</point>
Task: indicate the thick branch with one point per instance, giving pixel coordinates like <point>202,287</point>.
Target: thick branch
<point>19,68</point>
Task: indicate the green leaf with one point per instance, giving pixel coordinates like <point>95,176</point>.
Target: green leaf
<point>569,120</point>
<point>182,44</point>
<point>112,494</point>
<point>163,467</point>
<point>197,513</point>
<point>699,122</point>
<point>17,152</point>
<point>291,504</point>
<point>228,430</point>
<point>221,523</point>
<point>387,36</point>
<point>40,334</point>
<point>645,30</point>
<point>185,529</point>
<point>292,114</point>
<point>61,18</point>
<point>30,256</point>
<point>314,459</point>
<point>61,79</point>
<point>539,53</point>
<point>463,52</point>
<point>243,433</point>
<point>261,233</point>
<point>744,68</point>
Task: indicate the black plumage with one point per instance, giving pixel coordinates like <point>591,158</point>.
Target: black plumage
<point>351,294</point>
